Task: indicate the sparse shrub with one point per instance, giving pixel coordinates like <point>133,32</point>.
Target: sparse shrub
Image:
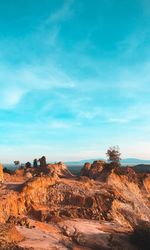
<point>16,162</point>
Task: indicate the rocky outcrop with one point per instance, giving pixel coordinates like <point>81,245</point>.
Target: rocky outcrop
<point>42,161</point>
<point>34,191</point>
<point>9,236</point>
<point>18,199</point>
<point>93,170</point>
<point>119,198</point>
<point>115,197</point>
<point>131,191</point>
<point>86,169</point>
<point>59,170</point>
<point>49,197</point>
<point>75,200</point>
<point>1,173</point>
<point>146,183</point>
<point>133,204</point>
<point>54,170</point>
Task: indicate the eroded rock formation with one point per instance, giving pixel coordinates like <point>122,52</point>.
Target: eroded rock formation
<point>9,237</point>
<point>93,170</point>
<point>42,161</point>
<point>118,198</point>
<point>59,169</point>
<point>1,173</point>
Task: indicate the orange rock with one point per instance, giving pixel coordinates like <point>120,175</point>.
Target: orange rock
<point>1,173</point>
<point>59,170</point>
<point>8,233</point>
<point>146,183</point>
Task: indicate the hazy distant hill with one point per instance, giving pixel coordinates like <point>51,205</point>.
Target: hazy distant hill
<point>134,161</point>
<point>127,161</point>
<point>142,168</point>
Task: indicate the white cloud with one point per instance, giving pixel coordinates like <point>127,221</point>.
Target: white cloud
<point>58,124</point>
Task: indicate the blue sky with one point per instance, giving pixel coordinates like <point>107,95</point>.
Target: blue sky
<point>74,78</point>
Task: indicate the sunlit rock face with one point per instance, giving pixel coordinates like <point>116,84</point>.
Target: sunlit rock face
<point>131,191</point>
<point>1,173</point>
<point>146,183</point>
<point>59,170</point>
<point>133,204</point>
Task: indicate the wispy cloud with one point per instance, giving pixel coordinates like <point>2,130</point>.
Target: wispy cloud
<point>11,97</point>
<point>130,45</point>
<point>21,80</point>
<point>62,13</point>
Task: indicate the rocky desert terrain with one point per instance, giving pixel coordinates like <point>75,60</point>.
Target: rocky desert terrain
<point>47,207</point>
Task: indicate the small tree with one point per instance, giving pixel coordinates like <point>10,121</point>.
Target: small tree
<point>16,162</point>
<point>113,155</point>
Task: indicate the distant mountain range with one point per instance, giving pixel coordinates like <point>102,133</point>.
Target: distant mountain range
<point>126,161</point>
